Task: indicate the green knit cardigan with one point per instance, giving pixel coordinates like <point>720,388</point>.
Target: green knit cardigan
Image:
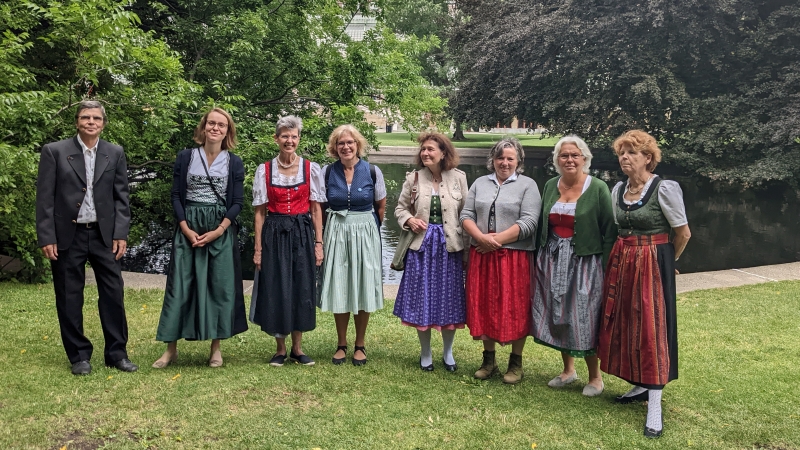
<point>595,229</point>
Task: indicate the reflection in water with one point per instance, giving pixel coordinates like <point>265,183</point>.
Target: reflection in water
<point>730,228</point>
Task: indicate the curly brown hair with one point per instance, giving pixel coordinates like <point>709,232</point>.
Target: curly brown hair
<point>641,142</point>
<point>450,155</point>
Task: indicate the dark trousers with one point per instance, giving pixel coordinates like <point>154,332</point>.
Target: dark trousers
<point>69,278</point>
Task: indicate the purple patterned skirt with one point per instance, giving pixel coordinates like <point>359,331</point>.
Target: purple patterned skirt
<point>431,293</point>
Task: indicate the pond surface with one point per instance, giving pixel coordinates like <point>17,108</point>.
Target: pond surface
<point>731,228</point>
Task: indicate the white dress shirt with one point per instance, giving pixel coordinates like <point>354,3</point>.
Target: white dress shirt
<point>87,213</point>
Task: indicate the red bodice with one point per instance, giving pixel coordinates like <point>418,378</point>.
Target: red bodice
<point>562,224</point>
<point>289,199</point>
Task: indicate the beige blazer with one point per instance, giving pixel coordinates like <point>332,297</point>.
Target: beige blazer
<point>452,192</point>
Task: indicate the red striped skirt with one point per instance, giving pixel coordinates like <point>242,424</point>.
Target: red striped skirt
<point>498,292</point>
<point>634,342</point>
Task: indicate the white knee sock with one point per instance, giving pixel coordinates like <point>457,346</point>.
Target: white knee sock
<point>654,410</point>
<point>425,355</point>
<point>636,390</point>
<point>448,336</point>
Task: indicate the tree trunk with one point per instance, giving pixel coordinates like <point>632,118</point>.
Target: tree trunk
<point>458,134</point>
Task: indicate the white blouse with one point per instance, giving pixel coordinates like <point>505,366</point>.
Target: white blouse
<point>568,208</point>
<point>670,197</point>
<point>278,179</point>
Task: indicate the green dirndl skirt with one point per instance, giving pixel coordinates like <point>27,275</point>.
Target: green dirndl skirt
<point>203,297</point>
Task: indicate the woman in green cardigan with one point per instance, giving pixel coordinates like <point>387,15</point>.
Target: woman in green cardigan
<point>575,234</point>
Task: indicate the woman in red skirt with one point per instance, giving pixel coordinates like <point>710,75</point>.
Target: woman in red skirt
<point>500,216</point>
<point>638,334</point>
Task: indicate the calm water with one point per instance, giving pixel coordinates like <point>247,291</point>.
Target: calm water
<point>731,228</point>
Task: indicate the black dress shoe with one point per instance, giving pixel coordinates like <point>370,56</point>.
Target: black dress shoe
<point>428,368</point>
<point>651,433</point>
<point>124,365</point>
<point>641,397</point>
<point>449,367</point>
<point>81,368</point>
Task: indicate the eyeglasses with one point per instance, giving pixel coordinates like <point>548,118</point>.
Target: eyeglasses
<point>220,125</point>
<point>345,143</point>
<point>566,156</point>
<point>87,118</point>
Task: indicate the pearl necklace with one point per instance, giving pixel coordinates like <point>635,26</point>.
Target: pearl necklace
<point>287,166</point>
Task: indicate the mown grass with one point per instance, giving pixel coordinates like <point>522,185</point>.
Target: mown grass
<point>474,140</point>
<point>739,353</point>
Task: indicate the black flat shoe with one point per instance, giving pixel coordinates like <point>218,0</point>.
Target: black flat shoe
<point>302,359</point>
<point>359,362</point>
<point>277,360</point>
<point>124,365</point>
<point>642,397</point>
<point>338,361</point>
<point>428,368</point>
<point>81,368</point>
<point>449,367</point>
<point>651,433</point>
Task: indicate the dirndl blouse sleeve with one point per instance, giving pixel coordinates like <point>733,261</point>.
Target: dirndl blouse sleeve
<point>260,186</point>
<point>317,182</point>
<point>670,196</point>
<point>380,185</point>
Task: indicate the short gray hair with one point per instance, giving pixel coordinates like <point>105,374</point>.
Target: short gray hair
<point>573,139</point>
<point>497,149</point>
<point>91,104</point>
<point>290,123</point>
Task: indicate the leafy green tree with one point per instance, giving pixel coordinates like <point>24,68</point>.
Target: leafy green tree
<point>714,81</point>
<point>54,54</point>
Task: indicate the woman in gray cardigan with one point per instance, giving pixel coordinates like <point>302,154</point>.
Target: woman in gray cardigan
<point>500,216</point>
<point>431,293</point>
<point>575,235</point>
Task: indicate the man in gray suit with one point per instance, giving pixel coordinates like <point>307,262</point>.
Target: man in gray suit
<point>83,214</point>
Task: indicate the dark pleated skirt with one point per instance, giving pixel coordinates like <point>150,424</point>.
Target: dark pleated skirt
<point>286,292</point>
<point>203,297</point>
<point>499,295</point>
<point>639,333</point>
<point>431,293</point>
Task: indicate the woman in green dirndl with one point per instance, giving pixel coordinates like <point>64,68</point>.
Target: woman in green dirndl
<point>203,298</point>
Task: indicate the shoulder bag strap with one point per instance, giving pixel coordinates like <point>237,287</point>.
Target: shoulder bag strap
<point>208,177</point>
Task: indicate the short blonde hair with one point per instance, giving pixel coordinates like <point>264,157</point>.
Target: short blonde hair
<point>229,143</point>
<point>361,141</point>
<point>640,142</point>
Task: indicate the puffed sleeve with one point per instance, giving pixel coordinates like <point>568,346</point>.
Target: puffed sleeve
<point>614,199</point>
<point>317,184</point>
<point>323,191</point>
<point>670,196</point>
<point>260,186</point>
<point>380,185</point>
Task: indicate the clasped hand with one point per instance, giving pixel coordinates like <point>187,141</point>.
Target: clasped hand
<point>487,243</point>
<point>200,240</point>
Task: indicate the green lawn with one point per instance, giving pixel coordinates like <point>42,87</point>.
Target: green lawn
<point>738,388</point>
<point>474,140</point>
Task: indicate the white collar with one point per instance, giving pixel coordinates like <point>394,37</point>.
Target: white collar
<point>84,147</point>
<point>493,177</point>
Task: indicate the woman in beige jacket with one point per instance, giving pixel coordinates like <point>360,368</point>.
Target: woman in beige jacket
<point>431,293</point>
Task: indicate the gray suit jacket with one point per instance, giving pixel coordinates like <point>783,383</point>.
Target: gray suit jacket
<point>61,187</point>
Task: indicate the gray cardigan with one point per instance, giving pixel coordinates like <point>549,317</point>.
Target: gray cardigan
<point>518,202</point>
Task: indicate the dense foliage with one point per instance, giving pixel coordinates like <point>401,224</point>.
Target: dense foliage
<point>716,81</point>
<point>157,66</point>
